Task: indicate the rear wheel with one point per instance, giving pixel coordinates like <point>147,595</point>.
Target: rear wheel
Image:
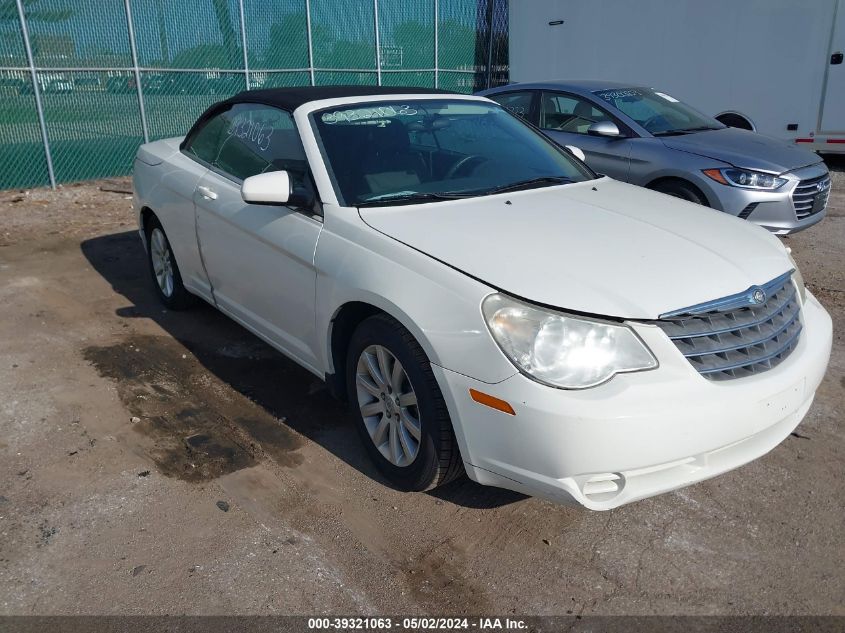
<point>398,407</point>
<point>682,190</point>
<point>732,119</point>
<point>163,269</point>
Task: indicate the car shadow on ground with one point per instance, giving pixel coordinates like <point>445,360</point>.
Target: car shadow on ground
<point>287,392</point>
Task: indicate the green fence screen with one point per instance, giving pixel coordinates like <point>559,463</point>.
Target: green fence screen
<point>84,82</point>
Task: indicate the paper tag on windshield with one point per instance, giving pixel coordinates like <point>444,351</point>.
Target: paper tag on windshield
<point>667,97</point>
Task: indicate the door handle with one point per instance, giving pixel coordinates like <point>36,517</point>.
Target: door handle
<point>836,59</point>
<point>205,192</point>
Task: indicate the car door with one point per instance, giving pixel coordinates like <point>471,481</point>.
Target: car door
<point>174,205</point>
<point>260,258</point>
<point>566,118</point>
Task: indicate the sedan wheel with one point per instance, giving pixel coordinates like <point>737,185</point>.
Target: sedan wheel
<point>388,405</point>
<point>162,262</point>
<point>164,270</point>
<point>398,407</point>
<point>682,190</point>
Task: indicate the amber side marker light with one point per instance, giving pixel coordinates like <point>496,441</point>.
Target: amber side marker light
<point>716,175</point>
<point>491,401</point>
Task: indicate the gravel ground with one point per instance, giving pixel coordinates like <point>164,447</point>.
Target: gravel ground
<point>161,463</point>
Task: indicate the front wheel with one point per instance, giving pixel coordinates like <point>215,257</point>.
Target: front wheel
<point>682,190</point>
<point>398,407</point>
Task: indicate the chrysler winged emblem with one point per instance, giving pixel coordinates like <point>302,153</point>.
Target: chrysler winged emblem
<point>758,295</point>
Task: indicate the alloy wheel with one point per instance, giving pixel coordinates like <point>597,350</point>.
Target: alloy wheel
<point>388,405</point>
<point>162,261</point>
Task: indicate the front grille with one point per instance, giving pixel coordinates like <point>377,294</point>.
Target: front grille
<point>810,196</point>
<point>735,336</point>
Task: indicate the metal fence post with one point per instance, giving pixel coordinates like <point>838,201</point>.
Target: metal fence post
<point>243,43</point>
<point>134,50</point>
<point>378,44</point>
<point>310,44</point>
<point>36,90</point>
<point>490,43</point>
<point>436,43</point>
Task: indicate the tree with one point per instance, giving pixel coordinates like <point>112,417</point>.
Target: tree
<point>231,43</point>
<point>9,15</point>
<point>9,12</point>
<point>287,45</point>
<point>203,56</point>
<point>458,44</point>
<point>417,42</point>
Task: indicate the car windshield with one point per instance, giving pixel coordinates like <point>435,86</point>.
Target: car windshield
<point>658,112</point>
<point>427,150</point>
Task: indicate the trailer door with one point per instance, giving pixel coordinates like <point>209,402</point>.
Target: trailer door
<point>833,112</point>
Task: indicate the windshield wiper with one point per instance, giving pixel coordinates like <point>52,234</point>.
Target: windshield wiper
<point>686,130</point>
<point>701,128</point>
<point>419,196</point>
<point>528,184</point>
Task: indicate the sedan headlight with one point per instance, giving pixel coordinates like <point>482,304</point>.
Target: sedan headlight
<point>746,179</point>
<point>562,350</point>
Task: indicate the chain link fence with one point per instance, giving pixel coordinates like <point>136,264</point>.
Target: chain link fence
<point>82,84</point>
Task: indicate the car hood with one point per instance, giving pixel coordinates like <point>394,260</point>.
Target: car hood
<point>600,247</point>
<point>742,148</point>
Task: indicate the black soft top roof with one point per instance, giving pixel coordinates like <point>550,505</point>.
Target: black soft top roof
<point>291,98</point>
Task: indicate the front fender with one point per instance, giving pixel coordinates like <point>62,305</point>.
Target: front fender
<point>439,305</point>
<point>688,167</point>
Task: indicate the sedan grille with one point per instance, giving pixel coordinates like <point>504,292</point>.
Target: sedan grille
<point>739,335</point>
<point>810,196</point>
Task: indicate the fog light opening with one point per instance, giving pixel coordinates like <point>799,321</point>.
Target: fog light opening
<point>603,487</point>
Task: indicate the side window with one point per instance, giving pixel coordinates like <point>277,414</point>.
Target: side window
<point>205,142</point>
<point>568,113</point>
<point>249,139</point>
<point>518,103</point>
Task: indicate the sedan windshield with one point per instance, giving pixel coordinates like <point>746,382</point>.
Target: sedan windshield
<point>436,149</point>
<point>657,112</point>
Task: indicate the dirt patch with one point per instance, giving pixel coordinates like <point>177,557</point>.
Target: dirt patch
<point>71,209</point>
<point>191,432</point>
<point>436,576</point>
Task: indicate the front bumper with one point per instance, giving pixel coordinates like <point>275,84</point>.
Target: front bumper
<point>773,210</point>
<point>640,434</point>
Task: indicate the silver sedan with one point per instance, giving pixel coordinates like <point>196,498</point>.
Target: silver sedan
<point>650,138</point>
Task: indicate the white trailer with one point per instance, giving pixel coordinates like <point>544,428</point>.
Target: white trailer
<point>773,66</point>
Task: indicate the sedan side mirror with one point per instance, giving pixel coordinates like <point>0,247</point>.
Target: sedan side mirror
<point>272,187</point>
<point>604,128</point>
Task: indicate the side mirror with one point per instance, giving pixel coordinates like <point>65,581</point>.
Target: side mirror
<point>273,187</point>
<point>604,128</point>
<point>577,152</point>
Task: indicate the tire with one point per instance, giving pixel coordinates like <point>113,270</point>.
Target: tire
<point>437,459</point>
<point>682,190</point>
<point>735,120</point>
<point>171,293</point>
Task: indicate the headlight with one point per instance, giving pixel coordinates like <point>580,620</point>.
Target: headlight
<point>746,179</point>
<point>562,350</point>
<point>797,277</point>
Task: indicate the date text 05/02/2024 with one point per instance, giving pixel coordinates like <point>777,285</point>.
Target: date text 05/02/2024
<point>416,624</point>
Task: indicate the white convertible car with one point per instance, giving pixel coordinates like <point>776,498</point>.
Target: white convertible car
<point>485,302</point>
